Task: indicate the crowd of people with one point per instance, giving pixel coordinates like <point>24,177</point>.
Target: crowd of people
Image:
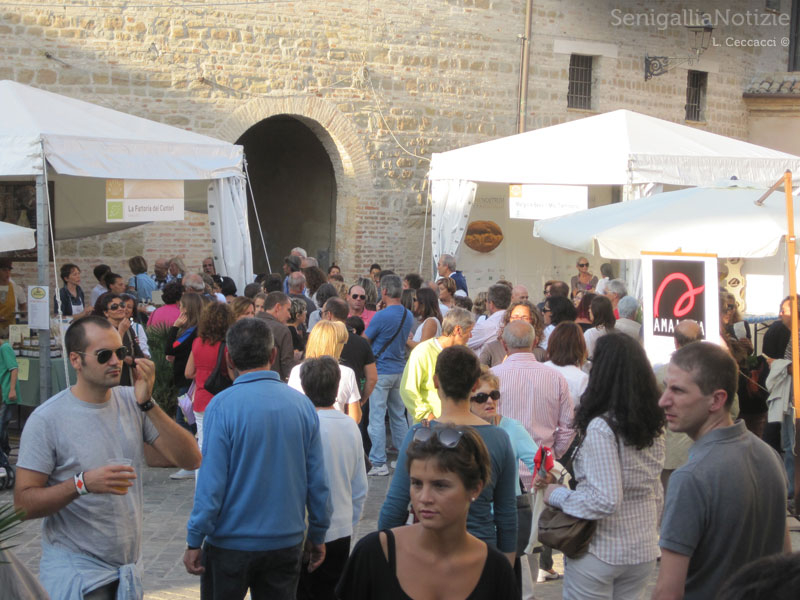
<point>296,391</point>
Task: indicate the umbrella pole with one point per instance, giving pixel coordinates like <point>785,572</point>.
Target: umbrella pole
<point>790,251</point>
<point>42,237</point>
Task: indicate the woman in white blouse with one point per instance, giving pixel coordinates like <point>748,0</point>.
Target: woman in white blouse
<point>617,467</point>
<point>327,339</point>
<point>567,351</point>
<point>603,320</point>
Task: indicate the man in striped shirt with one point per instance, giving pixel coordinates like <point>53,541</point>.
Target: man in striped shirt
<point>532,393</point>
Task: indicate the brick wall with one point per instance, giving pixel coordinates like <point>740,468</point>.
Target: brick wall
<point>383,84</point>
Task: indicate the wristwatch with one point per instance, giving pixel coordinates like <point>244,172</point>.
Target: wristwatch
<point>146,406</point>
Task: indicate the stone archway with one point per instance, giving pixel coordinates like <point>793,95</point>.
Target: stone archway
<point>348,158</point>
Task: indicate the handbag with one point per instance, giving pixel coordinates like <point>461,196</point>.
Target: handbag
<point>218,380</point>
<point>571,535</point>
<point>185,404</point>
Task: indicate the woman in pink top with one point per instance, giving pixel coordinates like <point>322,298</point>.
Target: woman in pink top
<point>214,322</point>
<point>165,316</point>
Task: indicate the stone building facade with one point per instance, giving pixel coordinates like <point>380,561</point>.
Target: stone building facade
<point>381,85</point>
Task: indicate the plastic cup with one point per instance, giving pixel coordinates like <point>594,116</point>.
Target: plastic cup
<point>125,462</point>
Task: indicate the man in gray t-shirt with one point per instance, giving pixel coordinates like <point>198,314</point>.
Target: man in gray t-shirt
<point>79,460</point>
<point>726,507</point>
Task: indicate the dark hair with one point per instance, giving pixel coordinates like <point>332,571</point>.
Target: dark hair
<point>603,312</point>
<point>135,314</point>
<point>275,298</point>
<point>227,287</point>
<point>75,339</point>
<point>137,264</point>
<point>102,302</point>
<point>566,345</point>
<point>584,304</point>
<point>427,304</point>
<point>457,369</point>
<point>537,320</point>
<point>500,296</point>
<point>559,288</point>
<point>320,378</point>
<point>710,366</point>
<point>775,577</point>
<point>468,459</point>
<point>561,309</point>
<point>251,289</point>
<point>172,292</point>
<point>606,270</point>
<point>66,270</point>
<point>407,299</point>
<point>110,278</point>
<point>334,266</point>
<point>215,320</point>
<point>413,280</point>
<point>324,293</point>
<point>356,324</point>
<point>622,389</point>
<point>339,309</point>
<point>374,266</point>
<point>249,342</point>
<point>100,272</point>
<point>336,277</point>
<point>273,283</point>
<point>464,302</point>
<point>315,277</point>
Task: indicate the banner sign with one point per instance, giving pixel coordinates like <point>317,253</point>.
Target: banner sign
<point>546,201</point>
<point>677,287</point>
<point>143,200</point>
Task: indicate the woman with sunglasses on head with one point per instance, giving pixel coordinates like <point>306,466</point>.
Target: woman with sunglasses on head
<point>617,466</point>
<point>493,515</point>
<point>584,281</point>
<point>448,468</point>
<point>429,317</point>
<point>112,307</point>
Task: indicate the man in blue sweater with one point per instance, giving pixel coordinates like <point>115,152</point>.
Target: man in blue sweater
<point>263,467</point>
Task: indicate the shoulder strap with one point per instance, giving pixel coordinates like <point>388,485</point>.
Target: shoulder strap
<point>220,354</point>
<point>386,345</point>
<point>390,548</point>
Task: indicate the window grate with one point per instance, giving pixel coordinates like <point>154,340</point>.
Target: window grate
<point>579,94</point>
<point>696,95</point>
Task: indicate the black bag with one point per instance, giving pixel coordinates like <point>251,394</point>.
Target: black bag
<point>218,380</point>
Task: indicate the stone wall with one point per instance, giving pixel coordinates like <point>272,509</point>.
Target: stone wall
<point>383,84</point>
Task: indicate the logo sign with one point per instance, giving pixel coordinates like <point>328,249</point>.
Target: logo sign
<point>679,289</point>
<point>546,201</point>
<point>142,200</point>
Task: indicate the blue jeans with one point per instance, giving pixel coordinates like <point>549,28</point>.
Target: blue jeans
<point>787,444</point>
<point>386,395</point>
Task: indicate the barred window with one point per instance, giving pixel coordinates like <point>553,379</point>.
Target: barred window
<point>579,94</point>
<point>696,95</point>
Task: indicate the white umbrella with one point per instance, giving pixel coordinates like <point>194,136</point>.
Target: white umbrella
<point>14,237</point>
<point>722,219</point>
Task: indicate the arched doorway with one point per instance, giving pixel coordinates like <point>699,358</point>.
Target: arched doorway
<point>294,186</point>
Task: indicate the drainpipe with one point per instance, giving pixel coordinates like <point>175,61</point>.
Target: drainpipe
<point>523,75</point>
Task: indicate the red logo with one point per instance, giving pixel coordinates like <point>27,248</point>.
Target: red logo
<point>685,302</point>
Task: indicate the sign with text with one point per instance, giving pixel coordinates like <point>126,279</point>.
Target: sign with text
<point>546,201</point>
<point>677,287</point>
<point>39,307</point>
<point>143,200</point>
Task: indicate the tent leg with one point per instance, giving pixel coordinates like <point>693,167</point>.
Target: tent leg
<point>42,247</point>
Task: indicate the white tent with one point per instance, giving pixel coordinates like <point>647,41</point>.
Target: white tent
<point>625,148</point>
<point>84,144</point>
<point>14,237</point>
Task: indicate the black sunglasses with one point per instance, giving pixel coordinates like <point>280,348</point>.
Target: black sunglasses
<point>115,306</point>
<point>545,309</point>
<point>358,297</point>
<point>583,264</point>
<point>448,438</point>
<point>104,355</point>
<point>482,397</point>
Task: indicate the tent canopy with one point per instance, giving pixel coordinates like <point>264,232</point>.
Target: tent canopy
<point>616,148</point>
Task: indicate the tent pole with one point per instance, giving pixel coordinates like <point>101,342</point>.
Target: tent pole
<point>790,251</point>
<point>43,265</point>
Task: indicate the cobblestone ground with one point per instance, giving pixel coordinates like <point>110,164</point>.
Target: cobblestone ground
<point>166,510</point>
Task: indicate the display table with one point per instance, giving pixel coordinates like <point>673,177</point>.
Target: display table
<point>29,390</point>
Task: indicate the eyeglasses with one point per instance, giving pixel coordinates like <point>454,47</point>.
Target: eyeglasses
<point>482,397</point>
<point>358,297</point>
<point>104,355</point>
<point>115,306</point>
<point>583,264</point>
<point>448,438</point>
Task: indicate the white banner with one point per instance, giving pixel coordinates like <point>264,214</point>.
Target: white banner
<point>143,200</point>
<point>38,307</point>
<point>546,201</point>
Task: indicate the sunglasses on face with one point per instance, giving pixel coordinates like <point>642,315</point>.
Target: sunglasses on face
<point>115,306</point>
<point>583,264</point>
<point>546,309</point>
<point>482,397</point>
<point>448,438</point>
<point>358,297</point>
<point>104,355</point>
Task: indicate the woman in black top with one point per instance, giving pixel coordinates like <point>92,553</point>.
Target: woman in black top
<point>448,467</point>
<point>112,307</point>
<point>180,337</point>
<point>73,302</point>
